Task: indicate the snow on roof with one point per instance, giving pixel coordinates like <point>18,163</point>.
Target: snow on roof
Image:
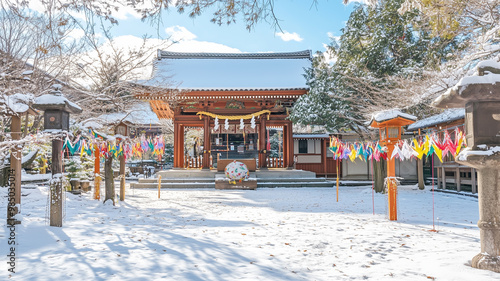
<point>310,136</point>
<point>482,86</point>
<point>446,116</point>
<point>486,79</point>
<point>391,114</point>
<point>231,71</point>
<point>92,124</point>
<point>142,114</point>
<point>56,98</point>
<point>18,103</point>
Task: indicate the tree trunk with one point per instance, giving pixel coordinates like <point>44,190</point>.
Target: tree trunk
<point>122,177</point>
<point>4,176</point>
<point>420,174</point>
<point>380,173</point>
<point>109,181</point>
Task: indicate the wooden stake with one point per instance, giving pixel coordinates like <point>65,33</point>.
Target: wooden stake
<point>159,186</point>
<point>337,180</point>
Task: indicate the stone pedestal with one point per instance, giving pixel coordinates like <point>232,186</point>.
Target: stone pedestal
<point>488,172</point>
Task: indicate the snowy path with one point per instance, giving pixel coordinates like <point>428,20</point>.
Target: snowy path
<point>267,234</point>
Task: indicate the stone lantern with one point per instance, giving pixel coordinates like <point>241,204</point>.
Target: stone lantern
<point>390,124</point>
<point>56,120</point>
<point>480,95</point>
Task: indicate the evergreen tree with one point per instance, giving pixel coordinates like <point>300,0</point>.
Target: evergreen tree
<point>379,47</point>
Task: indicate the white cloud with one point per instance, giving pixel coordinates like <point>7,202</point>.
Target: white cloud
<point>76,33</point>
<point>185,42</point>
<point>179,33</point>
<point>331,36</point>
<point>329,57</point>
<point>287,36</point>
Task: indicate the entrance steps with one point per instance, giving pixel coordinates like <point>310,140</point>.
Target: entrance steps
<point>206,179</point>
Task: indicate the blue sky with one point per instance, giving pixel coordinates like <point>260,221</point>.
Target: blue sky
<point>309,27</point>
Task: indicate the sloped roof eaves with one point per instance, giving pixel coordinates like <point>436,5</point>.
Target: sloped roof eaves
<point>445,117</point>
<point>306,54</point>
<point>230,72</point>
<point>311,136</point>
<point>245,89</point>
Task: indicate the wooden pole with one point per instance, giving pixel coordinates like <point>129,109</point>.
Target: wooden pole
<point>159,186</point>
<point>56,190</point>
<point>97,173</point>
<point>16,156</point>
<point>122,177</point>
<point>262,143</point>
<point>338,174</point>
<point>206,144</point>
<point>15,171</point>
<point>420,174</point>
<point>392,187</point>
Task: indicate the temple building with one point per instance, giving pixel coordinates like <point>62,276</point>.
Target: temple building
<point>233,98</point>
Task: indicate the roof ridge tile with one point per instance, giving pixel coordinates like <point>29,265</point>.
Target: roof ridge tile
<point>305,54</point>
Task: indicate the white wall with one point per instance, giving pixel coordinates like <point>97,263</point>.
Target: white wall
<point>302,158</point>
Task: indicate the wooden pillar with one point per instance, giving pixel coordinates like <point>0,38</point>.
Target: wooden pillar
<point>392,187</point>
<point>14,173</point>
<point>289,145</point>
<point>285,146</point>
<point>443,176</point>
<point>122,177</point>
<point>457,179</point>
<point>16,156</point>
<point>206,143</point>
<point>323,156</point>
<point>176,152</point>
<point>56,190</point>
<point>262,142</point>
<point>178,145</point>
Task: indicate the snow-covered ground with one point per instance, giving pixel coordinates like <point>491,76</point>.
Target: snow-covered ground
<point>266,234</point>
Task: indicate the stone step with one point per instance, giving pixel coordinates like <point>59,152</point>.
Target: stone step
<point>174,185</point>
<point>175,180</point>
<point>267,184</point>
<point>291,180</point>
<point>294,184</point>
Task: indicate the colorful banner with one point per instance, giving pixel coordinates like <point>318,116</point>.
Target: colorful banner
<point>404,150</point>
<point>115,147</point>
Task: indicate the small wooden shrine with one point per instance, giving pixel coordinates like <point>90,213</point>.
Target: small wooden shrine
<point>233,97</point>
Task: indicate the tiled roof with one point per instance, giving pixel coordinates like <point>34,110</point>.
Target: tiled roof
<point>230,71</point>
<point>444,117</point>
<point>306,54</point>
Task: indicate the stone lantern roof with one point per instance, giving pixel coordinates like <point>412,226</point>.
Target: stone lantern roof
<point>482,87</point>
<point>381,118</point>
<point>56,101</point>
